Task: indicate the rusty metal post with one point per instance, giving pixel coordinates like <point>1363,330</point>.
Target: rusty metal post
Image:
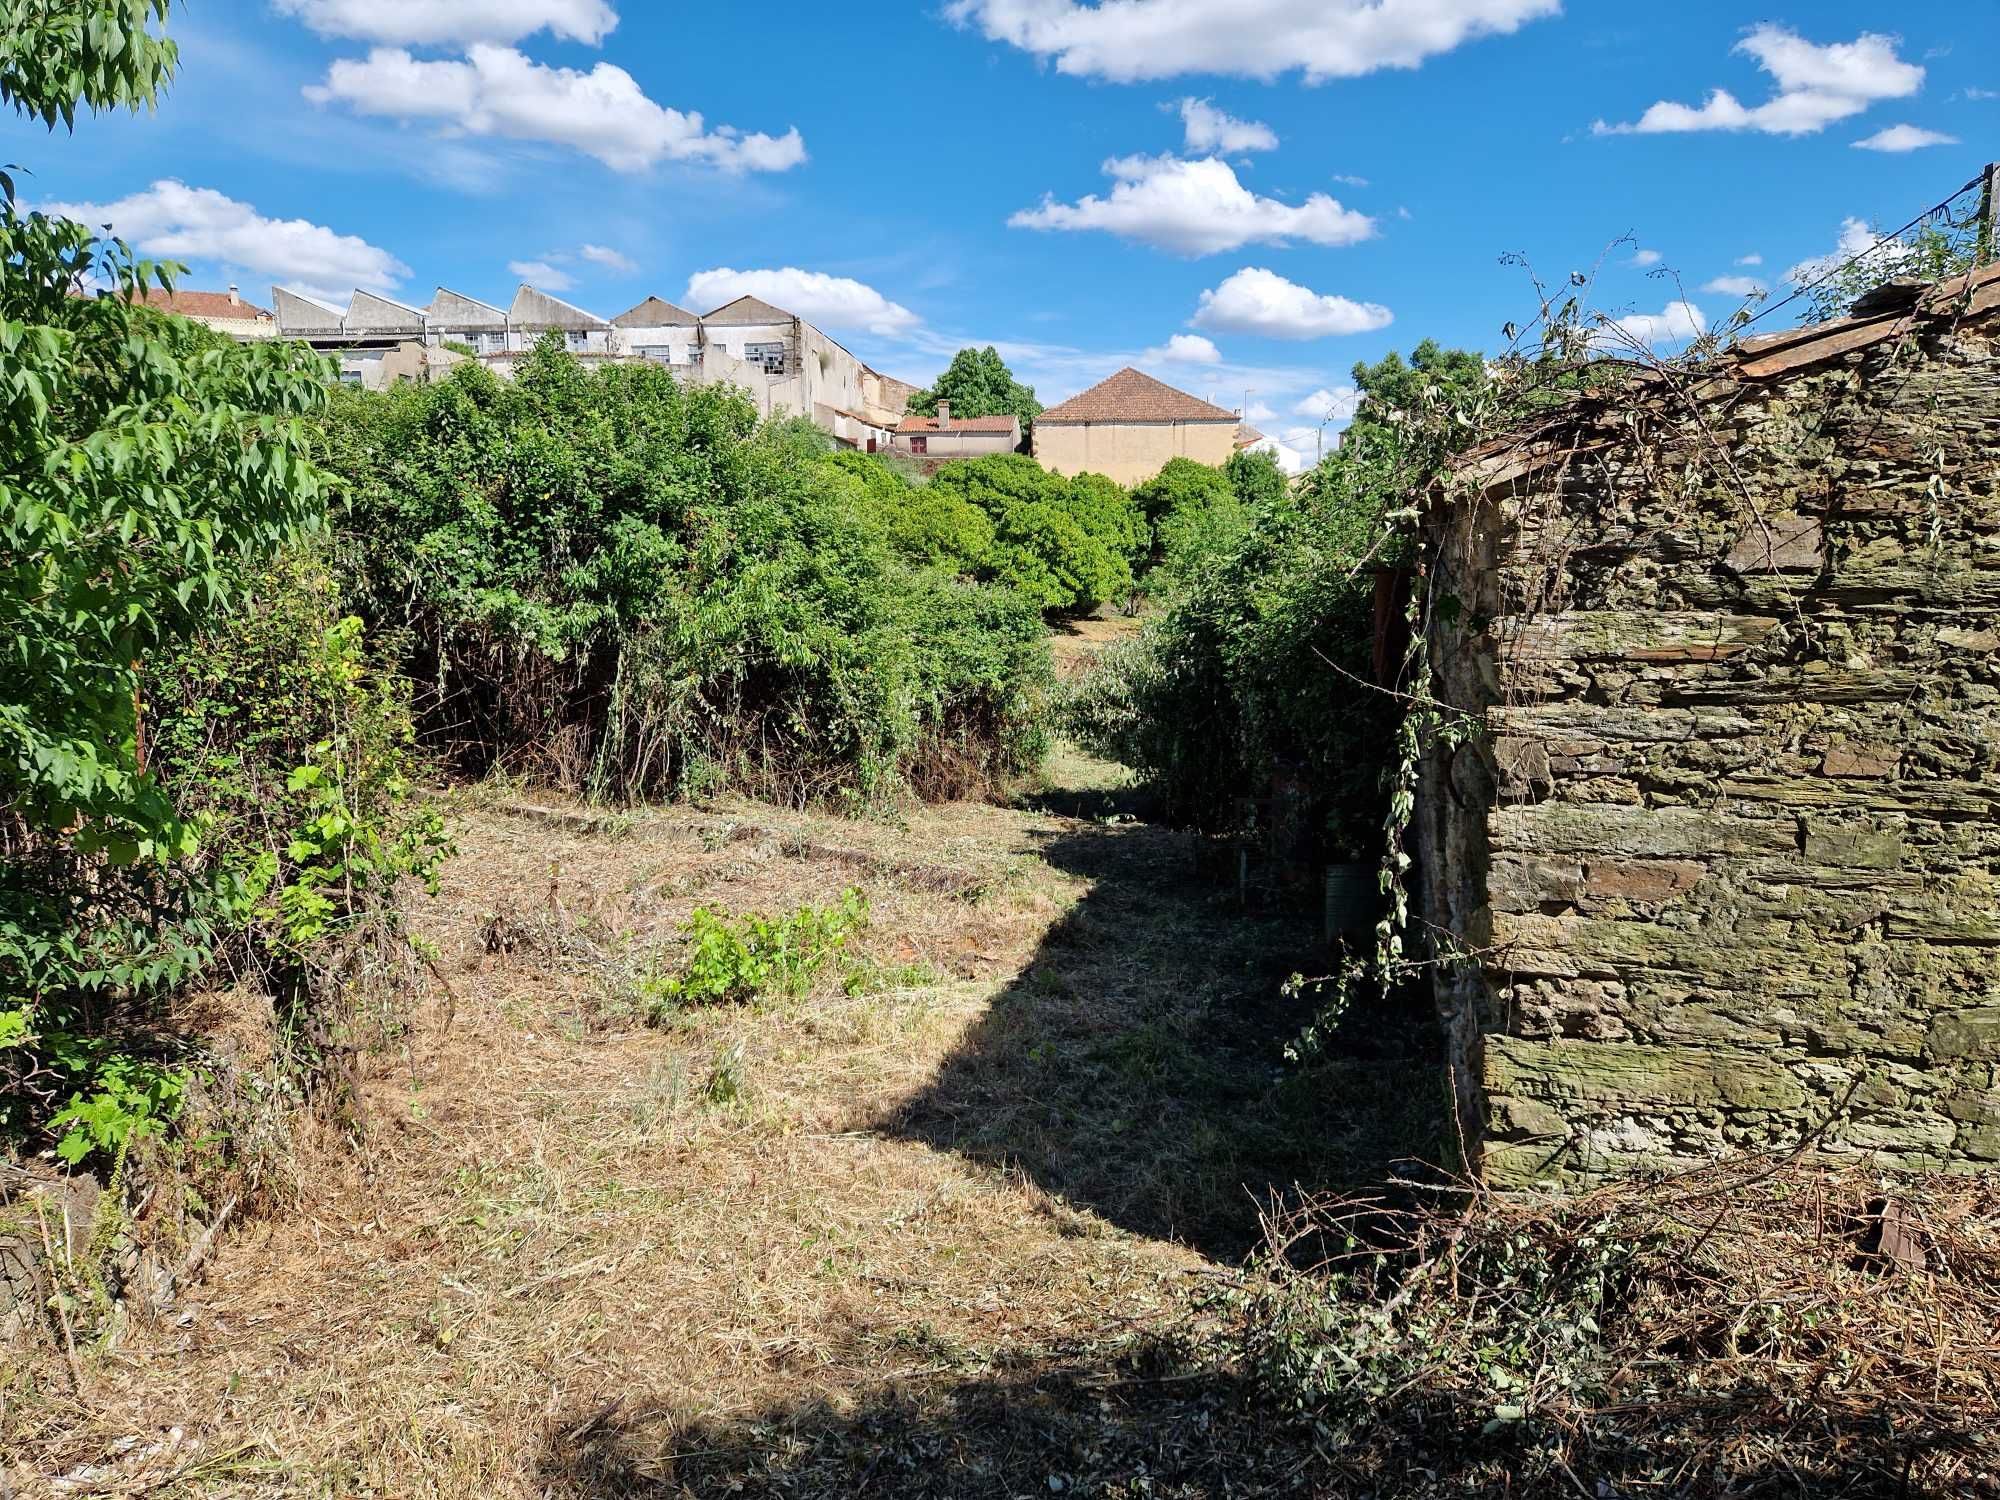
<point>1988,193</point>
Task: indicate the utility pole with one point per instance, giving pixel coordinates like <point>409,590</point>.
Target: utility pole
<point>1988,193</point>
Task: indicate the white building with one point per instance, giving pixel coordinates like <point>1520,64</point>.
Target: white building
<point>785,364</point>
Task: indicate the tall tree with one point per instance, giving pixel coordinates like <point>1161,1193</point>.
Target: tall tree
<point>978,384</point>
<point>146,470</point>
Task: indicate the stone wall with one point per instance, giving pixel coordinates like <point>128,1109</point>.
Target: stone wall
<point>1724,852</point>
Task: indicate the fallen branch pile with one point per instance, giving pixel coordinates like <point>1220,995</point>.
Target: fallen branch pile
<point>1771,1328</point>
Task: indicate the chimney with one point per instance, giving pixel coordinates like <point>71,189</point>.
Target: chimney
<point>944,414</point>
<point>233,298</point>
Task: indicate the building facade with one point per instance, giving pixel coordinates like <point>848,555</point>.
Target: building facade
<point>1129,427</point>
<point>785,364</point>
<point>946,436</point>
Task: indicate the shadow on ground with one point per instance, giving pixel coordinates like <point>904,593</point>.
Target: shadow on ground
<point>1136,1068</point>
<point>1150,1424</point>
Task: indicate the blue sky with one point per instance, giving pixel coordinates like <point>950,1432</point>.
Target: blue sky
<point>1031,173</point>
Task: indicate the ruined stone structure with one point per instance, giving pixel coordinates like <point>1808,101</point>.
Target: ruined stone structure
<point>1722,842</point>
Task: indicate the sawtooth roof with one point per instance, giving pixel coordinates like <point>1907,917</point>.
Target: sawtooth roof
<point>655,312</point>
<point>1130,396</point>
<point>537,309</point>
<point>747,310</point>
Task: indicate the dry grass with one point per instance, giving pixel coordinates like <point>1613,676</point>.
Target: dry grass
<point>1745,1329</point>
<point>561,1230</point>
<point>971,1226</point>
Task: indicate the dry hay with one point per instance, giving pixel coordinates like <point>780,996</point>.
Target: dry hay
<point>554,1208</point>
<point>1754,1328</point>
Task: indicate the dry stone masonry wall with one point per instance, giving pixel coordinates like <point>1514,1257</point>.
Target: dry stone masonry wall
<point>1725,852</point>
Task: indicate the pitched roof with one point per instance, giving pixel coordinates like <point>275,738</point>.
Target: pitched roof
<point>298,313</point>
<point>1129,396</point>
<point>372,312</point>
<point>537,309</point>
<point>1247,435</point>
<point>199,304</point>
<point>456,310</point>
<point>655,312</point>
<point>747,310</point>
<point>960,424</point>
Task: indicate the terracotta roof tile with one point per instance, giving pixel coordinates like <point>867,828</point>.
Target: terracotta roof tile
<point>1129,396</point>
<point>959,424</point>
<point>200,304</point>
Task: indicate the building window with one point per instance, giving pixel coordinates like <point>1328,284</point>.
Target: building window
<point>578,342</point>
<point>919,443</point>
<point>770,358</point>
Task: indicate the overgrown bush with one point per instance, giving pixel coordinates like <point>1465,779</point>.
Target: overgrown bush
<point>1262,659</point>
<point>632,588</point>
<point>174,771</point>
<point>1262,666</point>
<point>1066,543</point>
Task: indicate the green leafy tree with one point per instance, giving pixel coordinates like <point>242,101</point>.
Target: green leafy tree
<point>150,470</point>
<point>56,54</point>
<point>978,383</point>
<point>1068,544</point>
<point>1188,508</point>
<point>1256,479</point>
<point>1394,390</point>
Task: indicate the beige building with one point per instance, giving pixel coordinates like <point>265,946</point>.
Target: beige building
<point>946,436</point>
<point>1129,426</point>
<point>225,312</point>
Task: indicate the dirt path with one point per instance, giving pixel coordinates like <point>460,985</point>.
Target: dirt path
<point>916,1234</point>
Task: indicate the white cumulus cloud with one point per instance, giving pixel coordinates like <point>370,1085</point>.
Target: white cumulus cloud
<point>1816,86</point>
<point>1884,260</point>
<point>1259,301</point>
<point>828,301</point>
<point>604,255</point>
<point>1336,405</point>
<point>173,221</point>
<point>1196,207</point>
<point>431,23</point>
<point>1646,258</point>
<point>1211,129</point>
<point>1735,286</point>
<point>1185,349</point>
<point>1900,138</point>
<point>1676,323</point>
<point>1126,41</point>
<point>497,91</point>
<point>1749,260</point>
<point>540,273</point>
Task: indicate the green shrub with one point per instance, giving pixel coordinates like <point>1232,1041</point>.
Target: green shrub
<point>1067,544</point>
<point>632,588</point>
<point>736,960</point>
<point>1263,658</point>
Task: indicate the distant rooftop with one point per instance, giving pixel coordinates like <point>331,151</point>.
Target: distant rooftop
<point>747,310</point>
<point>655,312</point>
<point>1130,396</point>
<point>201,304</point>
<point>959,424</point>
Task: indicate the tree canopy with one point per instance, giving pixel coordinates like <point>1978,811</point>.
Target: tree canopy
<point>978,384</point>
